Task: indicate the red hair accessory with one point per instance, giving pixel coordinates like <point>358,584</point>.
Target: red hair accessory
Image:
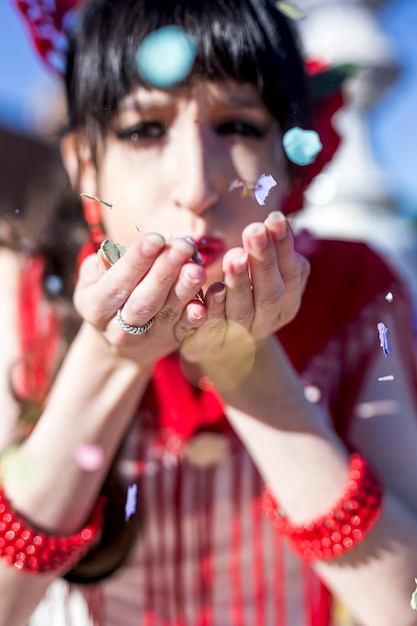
<point>50,23</point>
<point>35,552</point>
<point>341,528</point>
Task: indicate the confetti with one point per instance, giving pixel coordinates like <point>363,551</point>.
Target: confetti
<point>53,284</point>
<point>383,339</point>
<point>389,377</point>
<point>20,467</point>
<point>111,252</point>
<point>301,146</point>
<point>131,501</point>
<point>166,56</point>
<point>247,189</point>
<point>89,457</point>
<point>90,197</point>
<point>196,257</point>
<point>290,10</point>
<point>263,186</point>
<point>389,297</point>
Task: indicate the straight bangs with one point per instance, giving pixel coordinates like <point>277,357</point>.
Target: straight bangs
<point>247,41</point>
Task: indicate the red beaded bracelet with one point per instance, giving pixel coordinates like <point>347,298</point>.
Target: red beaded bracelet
<point>27,549</point>
<point>341,528</point>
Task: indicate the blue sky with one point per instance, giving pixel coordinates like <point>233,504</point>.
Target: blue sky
<point>392,123</point>
<point>21,71</point>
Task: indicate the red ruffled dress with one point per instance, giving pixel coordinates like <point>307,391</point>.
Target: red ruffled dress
<point>207,555</point>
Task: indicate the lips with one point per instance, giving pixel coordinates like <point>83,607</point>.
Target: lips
<point>210,249</point>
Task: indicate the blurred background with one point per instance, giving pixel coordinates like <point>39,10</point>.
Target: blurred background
<point>369,191</point>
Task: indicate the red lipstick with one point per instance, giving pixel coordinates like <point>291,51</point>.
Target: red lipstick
<point>210,249</point>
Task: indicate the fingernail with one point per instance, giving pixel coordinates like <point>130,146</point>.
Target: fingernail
<point>275,216</point>
<point>178,248</point>
<point>220,296</point>
<point>278,223</point>
<point>258,236</point>
<point>240,264</point>
<point>152,244</point>
<point>195,315</point>
<point>192,276</point>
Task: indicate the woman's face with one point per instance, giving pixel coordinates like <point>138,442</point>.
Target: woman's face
<point>171,156</point>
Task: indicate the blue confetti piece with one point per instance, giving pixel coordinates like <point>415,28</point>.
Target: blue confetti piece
<point>301,146</point>
<point>166,56</point>
<point>131,501</point>
<point>263,186</point>
<point>383,339</point>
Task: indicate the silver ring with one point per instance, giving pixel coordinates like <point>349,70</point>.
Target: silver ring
<point>134,330</point>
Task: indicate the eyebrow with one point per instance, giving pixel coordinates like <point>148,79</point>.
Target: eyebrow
<point>157,99</point>
<point>241,100</point>
<point>142,102</point>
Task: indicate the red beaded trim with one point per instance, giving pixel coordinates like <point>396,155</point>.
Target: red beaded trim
<point>341,528</point>
<point>33,551</point>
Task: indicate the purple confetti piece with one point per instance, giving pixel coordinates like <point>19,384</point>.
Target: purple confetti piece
<point>263,186</point>
<point>383,339</point>
<point>131,501</point>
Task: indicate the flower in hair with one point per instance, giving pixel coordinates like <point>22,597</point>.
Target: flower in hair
<point>301,146</point>
<point>166,56</point>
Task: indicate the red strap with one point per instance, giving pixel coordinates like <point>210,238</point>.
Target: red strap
<point>39,331</point>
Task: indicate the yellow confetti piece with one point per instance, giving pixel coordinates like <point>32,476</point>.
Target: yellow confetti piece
<point>290,10</point>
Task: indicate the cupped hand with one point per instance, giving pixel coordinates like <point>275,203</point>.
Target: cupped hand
<point>153,279</point>
<point>263,285</point>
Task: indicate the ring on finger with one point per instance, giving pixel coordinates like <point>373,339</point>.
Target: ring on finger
<point>134,330</point>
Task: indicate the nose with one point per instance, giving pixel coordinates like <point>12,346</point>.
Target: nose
<point>197,182</point>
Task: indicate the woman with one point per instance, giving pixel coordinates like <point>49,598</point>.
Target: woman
<point>195,403</point>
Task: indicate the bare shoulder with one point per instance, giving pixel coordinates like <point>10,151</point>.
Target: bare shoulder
<point>10,266</point>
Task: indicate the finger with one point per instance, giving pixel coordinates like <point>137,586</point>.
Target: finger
<point>293,267</point>
<point>193,316</point>
<point>267,282</point>
<point>149,297</point>
<point>190,280</point>
<point>101,292</point>
<point>215,300</point>
<point>240,304</point>
<point>210,335</point>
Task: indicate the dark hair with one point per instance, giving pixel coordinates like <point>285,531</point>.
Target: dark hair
<point>245,40</point>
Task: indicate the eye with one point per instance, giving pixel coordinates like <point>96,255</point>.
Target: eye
<point>142,132</point>
<point>243,129</point>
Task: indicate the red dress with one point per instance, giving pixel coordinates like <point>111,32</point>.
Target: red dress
<point>207,555</point>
